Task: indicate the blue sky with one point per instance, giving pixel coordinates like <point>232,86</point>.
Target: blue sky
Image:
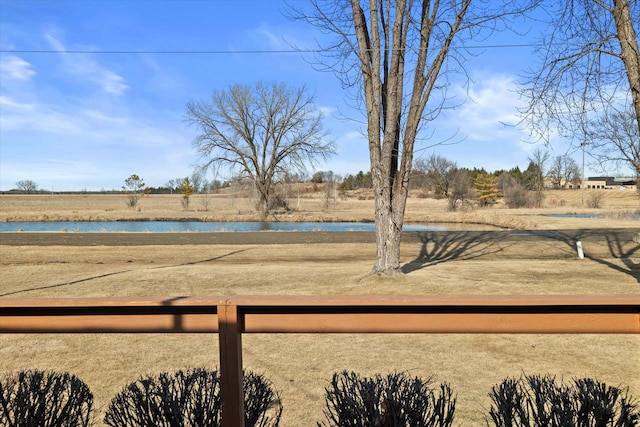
<point>74,121</point>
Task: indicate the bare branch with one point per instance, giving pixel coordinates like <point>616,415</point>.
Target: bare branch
<point>615,140</point>
<point>589,64</point>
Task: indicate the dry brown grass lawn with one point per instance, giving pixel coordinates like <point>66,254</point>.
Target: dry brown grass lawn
<point>301,365</point>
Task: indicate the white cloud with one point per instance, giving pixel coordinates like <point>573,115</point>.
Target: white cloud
<point>274,41</point>
<point>275,37</point>
<point>73,147</point>
<point>102,117</point>
<point>93,141</point>
<point>8,103</point>
<point>161,78</point>
<point>327,111</point>
<point>111,82</point>
<point>15,68</point>
<point>354,135</point>
<point>490,111</point>
<point>55,43</point>
<point>482,131</point>
<point>80,65</point>
<point>49,119</point>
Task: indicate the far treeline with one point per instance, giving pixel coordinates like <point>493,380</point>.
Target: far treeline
<point>435,176</point>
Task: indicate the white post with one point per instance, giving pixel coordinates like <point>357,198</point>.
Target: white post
<point>579,248</point>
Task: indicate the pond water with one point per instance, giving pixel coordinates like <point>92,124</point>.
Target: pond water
<point>195,226</point>
<point>586,216</point>
<point>572,215</point>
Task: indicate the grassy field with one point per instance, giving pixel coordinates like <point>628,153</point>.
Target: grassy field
<point>301,365</point>
<point>313,206</point>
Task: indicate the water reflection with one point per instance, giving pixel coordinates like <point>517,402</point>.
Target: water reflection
<point>265,226</point>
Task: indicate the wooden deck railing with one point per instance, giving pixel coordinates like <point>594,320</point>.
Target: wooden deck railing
<point>232,316</point>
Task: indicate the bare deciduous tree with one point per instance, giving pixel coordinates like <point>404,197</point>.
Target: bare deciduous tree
<point>563,171</point>
<point>461,191</point>
<point>260,132</point>
<point>444,178</point>
<point>437,171</point>
<point>535,173</point>
<point>27,185</point>
<point>589,67</point>
<point>400,54</point>
<point>198,180</point>
<point>171,185</point>
<point>331,189</point>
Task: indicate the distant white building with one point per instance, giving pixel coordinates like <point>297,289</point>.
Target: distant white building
<point>610,183</point>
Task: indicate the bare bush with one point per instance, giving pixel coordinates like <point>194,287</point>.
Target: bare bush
<point>190,398</point>
<point>391,400</point>
<point>516,196</point>
<point>542,401</point>
<point>595,200</point>
<point>44,399</point>
<point>205,202</point>
<point>278,201</point>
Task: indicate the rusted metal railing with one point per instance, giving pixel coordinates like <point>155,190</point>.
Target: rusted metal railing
<point>232,316</point>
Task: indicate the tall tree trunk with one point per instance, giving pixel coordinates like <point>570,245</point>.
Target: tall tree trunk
<point>263,208</point>
<point>388,236</point>
<point>262,205</point>
<point>630,52</point>
<point>389,218</point>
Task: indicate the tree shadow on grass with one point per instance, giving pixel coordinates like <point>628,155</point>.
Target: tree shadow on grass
<point>438,247</point>
<point>113,273</point>
<point>619,244</point>
<point>625,255</point>
<point>599,246</point>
